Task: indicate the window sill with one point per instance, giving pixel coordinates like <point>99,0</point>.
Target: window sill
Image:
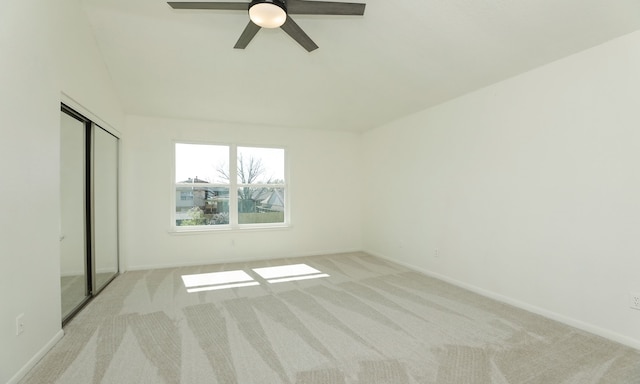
<point>228,229</point>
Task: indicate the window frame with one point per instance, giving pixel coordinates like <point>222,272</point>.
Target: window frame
<point>233,187</point>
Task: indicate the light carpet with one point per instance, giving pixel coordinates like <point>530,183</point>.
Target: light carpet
<point>370,321</point>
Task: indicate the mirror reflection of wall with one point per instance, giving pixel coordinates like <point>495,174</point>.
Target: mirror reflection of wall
<point>105,206</point>
<point>73,256</point>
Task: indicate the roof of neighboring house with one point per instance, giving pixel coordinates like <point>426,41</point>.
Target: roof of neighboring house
<point>274,199</point>
<point>194,180</point>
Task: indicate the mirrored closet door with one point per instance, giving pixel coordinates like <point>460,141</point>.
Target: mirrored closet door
<point>74,279</point>
<point>105,207</point>
<point>89,210</point>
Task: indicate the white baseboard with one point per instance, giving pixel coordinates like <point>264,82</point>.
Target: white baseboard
<point>34,360</point>
<point>607,334</point>
<point>237,259</point>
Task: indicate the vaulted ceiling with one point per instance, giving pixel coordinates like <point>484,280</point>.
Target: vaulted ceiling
<point>402,56</point>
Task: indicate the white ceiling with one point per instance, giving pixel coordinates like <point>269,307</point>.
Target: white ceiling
<point>402,56</point>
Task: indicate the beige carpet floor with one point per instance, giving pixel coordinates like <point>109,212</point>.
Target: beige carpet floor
<point>369,321</point>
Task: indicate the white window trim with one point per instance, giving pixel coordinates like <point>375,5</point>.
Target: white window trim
<point>233,193</point>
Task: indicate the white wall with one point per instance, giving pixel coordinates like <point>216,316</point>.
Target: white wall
<point>529,189</point>
<point>325,182</point>
<point>46,48</point>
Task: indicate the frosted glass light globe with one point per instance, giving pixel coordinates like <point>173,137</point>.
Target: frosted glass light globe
<point>267,15</point>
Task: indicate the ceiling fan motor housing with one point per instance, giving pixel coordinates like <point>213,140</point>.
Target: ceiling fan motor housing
<point>279,3</point>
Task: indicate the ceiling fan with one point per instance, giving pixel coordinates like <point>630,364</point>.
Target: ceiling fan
<point>275,13</point>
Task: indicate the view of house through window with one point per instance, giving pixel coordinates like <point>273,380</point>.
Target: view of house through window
<point>211,193</point>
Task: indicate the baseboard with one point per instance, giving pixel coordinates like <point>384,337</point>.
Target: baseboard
<point>36,358</point>
<point>607,334</point>
<point>239,259</point>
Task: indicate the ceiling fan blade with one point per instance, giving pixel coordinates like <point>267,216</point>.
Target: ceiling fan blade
<point>292,29</point>
<point>247,35</point>
<point>209,5</point>
<point>299,7</point>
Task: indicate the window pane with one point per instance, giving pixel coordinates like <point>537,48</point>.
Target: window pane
<point>202,206</point>
<point>260,165</point>
<point>198,163</point>
<point>260,205</point>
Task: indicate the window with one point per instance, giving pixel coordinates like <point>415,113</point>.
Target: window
<point>186,195</point>
<point>211,194</point>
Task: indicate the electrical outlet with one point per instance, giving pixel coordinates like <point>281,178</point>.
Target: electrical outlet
<point>20,324</point>
<point>635,301</point>
<point>436,253</point>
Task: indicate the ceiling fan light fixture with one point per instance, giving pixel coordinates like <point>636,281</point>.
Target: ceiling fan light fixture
<point>268,13</point>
